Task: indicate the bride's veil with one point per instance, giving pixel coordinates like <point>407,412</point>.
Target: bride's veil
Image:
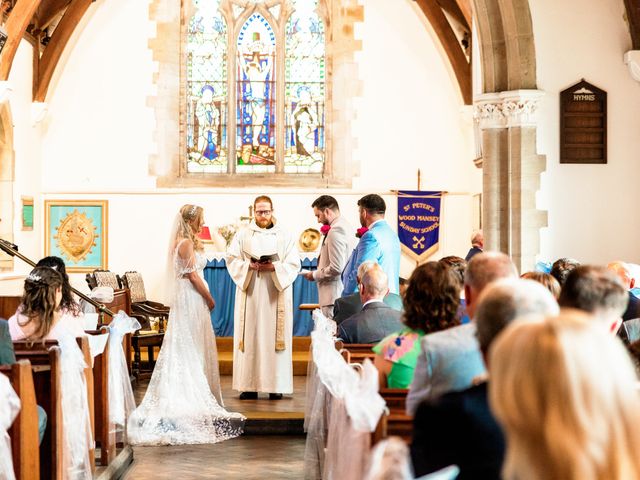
<point>179,230</point>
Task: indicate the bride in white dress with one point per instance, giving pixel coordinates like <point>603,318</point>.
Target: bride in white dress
<point>183,403</point>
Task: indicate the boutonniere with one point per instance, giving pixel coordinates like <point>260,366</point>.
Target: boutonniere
<point>324,229</point>
<point>361,231</point>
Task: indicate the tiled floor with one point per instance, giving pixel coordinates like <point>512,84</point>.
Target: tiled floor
<point>246,457</point>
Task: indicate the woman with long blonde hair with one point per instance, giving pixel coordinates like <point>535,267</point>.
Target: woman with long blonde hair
<point>565,394</point>
<point>183,403</point>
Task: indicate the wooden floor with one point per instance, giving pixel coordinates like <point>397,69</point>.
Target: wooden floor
<point>289,403</point>
<point>246,457</point>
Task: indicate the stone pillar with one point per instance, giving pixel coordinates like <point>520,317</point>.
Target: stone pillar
<point>511,174</point>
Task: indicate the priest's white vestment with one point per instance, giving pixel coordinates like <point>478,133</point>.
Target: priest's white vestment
<point>263,315</point>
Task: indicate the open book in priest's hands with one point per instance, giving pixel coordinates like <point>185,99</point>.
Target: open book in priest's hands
<point>261,257</point>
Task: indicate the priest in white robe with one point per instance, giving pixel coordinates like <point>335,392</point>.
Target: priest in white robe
<point>263,316</point>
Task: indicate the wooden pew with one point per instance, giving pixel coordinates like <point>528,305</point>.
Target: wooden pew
<point>121,301</point>
<point>24,431</point>
<point>355,352</point>
<point>45,364</point>
<point>103,437</point>
<point>9,305</point>
<point>396,421</point>
<point>45,360</point>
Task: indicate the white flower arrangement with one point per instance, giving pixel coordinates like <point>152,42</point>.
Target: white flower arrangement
<point>228,232</point>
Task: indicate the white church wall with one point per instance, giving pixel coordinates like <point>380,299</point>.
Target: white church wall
<point>98,134</point>
<point>590,206</point>
<point>27,166</point>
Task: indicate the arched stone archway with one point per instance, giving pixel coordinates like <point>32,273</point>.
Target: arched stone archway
<point>6,181</point>
<point>506,113</point>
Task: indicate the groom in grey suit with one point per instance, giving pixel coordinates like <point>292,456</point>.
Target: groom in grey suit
<point>337,244</point>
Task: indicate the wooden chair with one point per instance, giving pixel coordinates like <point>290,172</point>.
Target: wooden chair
<point>140,305</point>
<point>45,365</point>
<point>24,431</point>
<point>103,278</point>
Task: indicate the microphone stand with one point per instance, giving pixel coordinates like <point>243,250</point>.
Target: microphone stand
<point>12,250</point>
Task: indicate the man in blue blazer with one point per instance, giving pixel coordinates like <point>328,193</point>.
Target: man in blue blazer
<point>379,244</point>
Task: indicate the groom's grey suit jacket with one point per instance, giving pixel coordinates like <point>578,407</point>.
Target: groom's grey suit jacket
<point>334,253</point>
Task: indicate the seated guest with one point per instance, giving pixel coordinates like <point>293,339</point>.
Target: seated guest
<point>565,395</point>
<point>634,351</point>
<point>38,319</point>
<point>459,266</point>
<point>546,279</point>
<point>624,274</point>
<point>404,284</point>
<point>376,320</point>
<point>561,269</point>
<point>345,307</point>
<point>431,301</point>
<point>477,244</point>
<point>71,315</point>
<point>458,428</point>
<point>450,359</point>
<point>7,355</point>
<point>598,291</point>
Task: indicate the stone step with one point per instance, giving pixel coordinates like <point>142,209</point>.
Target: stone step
<point>274,423</point>
<point>300,354</point>
<point>300,362</point>
<point>300,344</point>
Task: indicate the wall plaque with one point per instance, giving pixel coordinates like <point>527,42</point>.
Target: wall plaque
<point>583,124</point>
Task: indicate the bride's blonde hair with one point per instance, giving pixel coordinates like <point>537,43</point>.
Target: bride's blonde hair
<point>189,213</point>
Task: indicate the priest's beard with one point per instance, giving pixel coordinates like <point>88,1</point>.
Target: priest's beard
<point>264,222</point>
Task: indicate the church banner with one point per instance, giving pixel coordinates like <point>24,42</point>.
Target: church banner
<point>419,222</point>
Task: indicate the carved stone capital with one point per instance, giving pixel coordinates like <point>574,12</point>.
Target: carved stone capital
<point>632,60</point>
<point>5,91</point>
<point>39,111</point>
<point>515,108</point>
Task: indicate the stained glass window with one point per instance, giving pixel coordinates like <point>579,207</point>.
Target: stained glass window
<point>223,135</point>
<point>256,93</point>
<point>206,107</point>
<point>305,90</point>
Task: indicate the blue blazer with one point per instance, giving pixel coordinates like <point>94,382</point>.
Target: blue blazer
<point>381,245</point>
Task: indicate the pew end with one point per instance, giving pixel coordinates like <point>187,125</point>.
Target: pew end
<point>24,430</point>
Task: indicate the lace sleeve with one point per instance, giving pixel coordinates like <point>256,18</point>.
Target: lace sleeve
<point>185,259</point>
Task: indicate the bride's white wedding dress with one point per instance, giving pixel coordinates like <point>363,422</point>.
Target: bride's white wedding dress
<point>183,403</point>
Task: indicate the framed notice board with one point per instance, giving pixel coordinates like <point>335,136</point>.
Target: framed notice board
<point>583,124</point>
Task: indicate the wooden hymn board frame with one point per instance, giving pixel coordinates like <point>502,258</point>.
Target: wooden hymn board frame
<point>583,124</point>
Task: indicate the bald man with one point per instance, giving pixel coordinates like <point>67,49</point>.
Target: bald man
<point>376,320</point>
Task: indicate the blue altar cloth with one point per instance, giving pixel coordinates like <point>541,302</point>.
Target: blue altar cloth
<point>224,292</point>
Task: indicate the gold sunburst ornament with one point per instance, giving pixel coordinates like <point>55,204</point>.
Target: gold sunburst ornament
<point>76,236</point>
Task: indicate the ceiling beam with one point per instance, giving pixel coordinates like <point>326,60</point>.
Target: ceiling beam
<point>465,8</point>
<point>48,10</point>
<point>53,51</point>
<point>16,26</point>
<point>453,49</point>
<point>633,15</point>
<point>452,7</point>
